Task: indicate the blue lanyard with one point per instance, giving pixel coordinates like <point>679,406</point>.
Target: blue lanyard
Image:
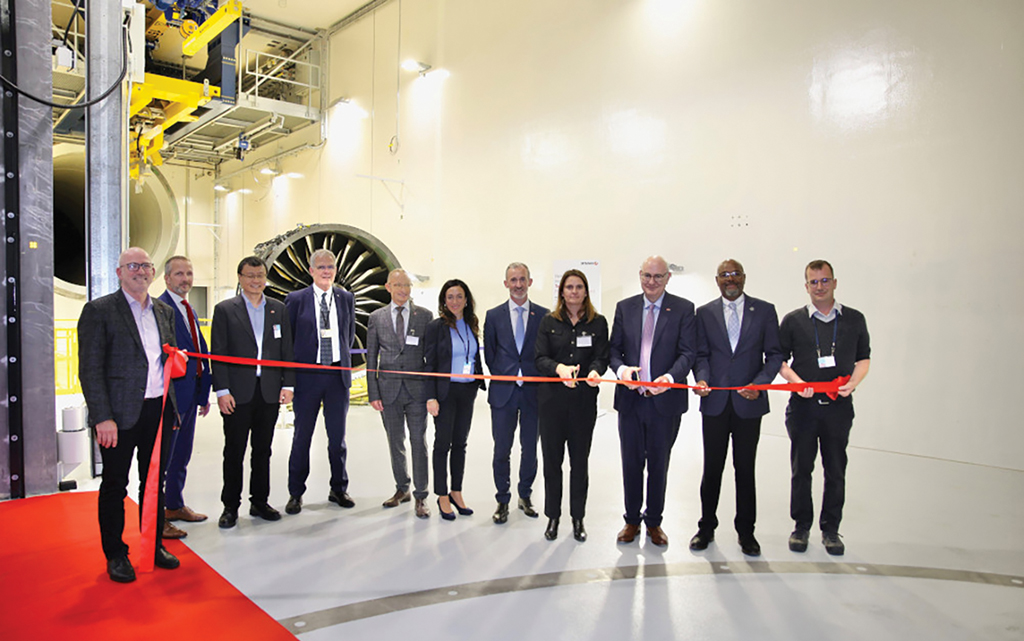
<point>835,330</point>
<point>465,341</point>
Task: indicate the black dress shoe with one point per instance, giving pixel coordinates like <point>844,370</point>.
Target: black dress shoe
<point>798,540</point>
<point>165,559</point>
<point>264,511</point>
<point>121,570</point>
<point>578,532</point>
<point>343,499</point>
<point>501,514</point>
<point>749,545</point>
<point>294,505</point>
<point>702,539</point>
<point>551,532</point>
<point>527,507</point>
<point>228,518</point>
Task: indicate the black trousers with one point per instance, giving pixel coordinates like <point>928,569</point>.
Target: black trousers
<point>253,421</point>
<point>117,463</point>
<point>745,434</point>
<point>451,431</point>
<point>567,420</point>
<point>809,424</point>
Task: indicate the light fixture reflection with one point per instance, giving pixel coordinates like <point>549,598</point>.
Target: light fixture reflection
<point>415,66</point>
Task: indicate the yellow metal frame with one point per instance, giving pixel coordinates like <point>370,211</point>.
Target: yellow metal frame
<point>211,27</point>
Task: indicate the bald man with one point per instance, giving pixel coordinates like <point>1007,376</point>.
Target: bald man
<point>121,368</point>
<point>653,339</point>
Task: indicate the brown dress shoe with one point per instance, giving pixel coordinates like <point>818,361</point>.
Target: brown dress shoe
<point>184,513</point>
<point>173,532</point>
<point>399,497</point>
<point>657,535</point>
<point>422,511</point>
<point>628,533</point>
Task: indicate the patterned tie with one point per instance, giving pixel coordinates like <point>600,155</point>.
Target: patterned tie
<point>400,325</point>
<point>195,336</point>
<point>520,329</point>
<point>326,353</point>
<point>734,326</point>
<point>646,342</point>
<point>520,336</point>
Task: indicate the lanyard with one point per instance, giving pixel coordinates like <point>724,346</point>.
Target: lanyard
<point>835,330</point>
<point>465,341</point>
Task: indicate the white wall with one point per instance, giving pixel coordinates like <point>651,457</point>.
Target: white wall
<point>884,137</point>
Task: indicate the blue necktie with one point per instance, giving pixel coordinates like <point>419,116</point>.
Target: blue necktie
<point>520,329</point>
<point>734,326</point>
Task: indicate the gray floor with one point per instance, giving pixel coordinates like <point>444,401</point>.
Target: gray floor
<point>934,551</point>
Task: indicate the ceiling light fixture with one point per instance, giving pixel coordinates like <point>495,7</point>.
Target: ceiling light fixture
<point>416,66</point>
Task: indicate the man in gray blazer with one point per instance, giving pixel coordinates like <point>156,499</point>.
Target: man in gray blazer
<point>121,368</point>
<point>250,325</point>
<point>394,341</point>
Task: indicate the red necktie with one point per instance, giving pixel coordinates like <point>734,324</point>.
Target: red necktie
<point>195,336</point>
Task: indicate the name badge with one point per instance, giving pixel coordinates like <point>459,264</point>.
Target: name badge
<point>584,341</point>
<point>277,331</point>
<point>824,362</point>
<point>467,368</point>
<point>325,333</point>
<point>412,340</point>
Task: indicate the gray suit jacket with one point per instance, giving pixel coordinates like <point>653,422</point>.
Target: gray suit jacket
<point>386,350</point>
<point>112,365</point>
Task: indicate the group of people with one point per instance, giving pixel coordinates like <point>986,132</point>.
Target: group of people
<point>419,365</point>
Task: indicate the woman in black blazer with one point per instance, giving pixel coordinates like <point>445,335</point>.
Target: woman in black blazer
<point>452,347</point>
<point>570,340</point>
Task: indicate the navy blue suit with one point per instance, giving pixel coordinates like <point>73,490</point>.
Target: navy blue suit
<point>756,361</point>
<point>192,391</point>
<point>511,403</point>
<point>648,425</point>
<point>329,387</point>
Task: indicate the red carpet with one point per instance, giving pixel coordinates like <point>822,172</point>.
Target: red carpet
<point>54,584</point>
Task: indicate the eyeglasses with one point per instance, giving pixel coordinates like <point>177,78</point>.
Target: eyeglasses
<point>259,276</point>
<point>325,268</point>
<point>820,281</point>
<point>724,275</point>
<point>655,277</point>
<point>134,267</point>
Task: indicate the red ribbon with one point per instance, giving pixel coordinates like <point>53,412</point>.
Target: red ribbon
<point>174,367</point>
<point>831,388</point>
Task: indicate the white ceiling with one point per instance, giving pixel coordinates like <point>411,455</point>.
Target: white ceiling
<point>312,14</point>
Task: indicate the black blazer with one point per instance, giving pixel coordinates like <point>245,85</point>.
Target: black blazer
<point>112,365</point>
<point>438,354</point>
<point>231,335</point>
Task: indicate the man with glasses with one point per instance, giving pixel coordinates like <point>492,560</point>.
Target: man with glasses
<point>252,326</point>
<point>653,340</point>
<point>191,390</point>
<point>394,342</point>
<point>323,318</point>
<point>737,345</point>
<point>825,340</point>
<point>121,369</point>
<point>510,335</point>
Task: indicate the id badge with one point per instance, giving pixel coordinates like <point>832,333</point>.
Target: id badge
<point>412,340</point>
<point>584,341</point>
<point>824,362</point>
<point>277,331</point>
<point>467,368</point>
<point>325,333</point>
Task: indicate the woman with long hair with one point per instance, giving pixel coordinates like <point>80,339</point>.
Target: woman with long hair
<point>570,340</point>
<point>452,347</point>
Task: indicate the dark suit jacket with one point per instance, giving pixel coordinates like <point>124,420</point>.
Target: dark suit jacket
<point>673,351</point>
<point>386,350</point>
<point>502,356</point>
<point>757,359</point>
<point>231,335</point>
<point>185,388</point>
<point>438,354</point>
<point>304,315</point>
<point>112,365</point>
